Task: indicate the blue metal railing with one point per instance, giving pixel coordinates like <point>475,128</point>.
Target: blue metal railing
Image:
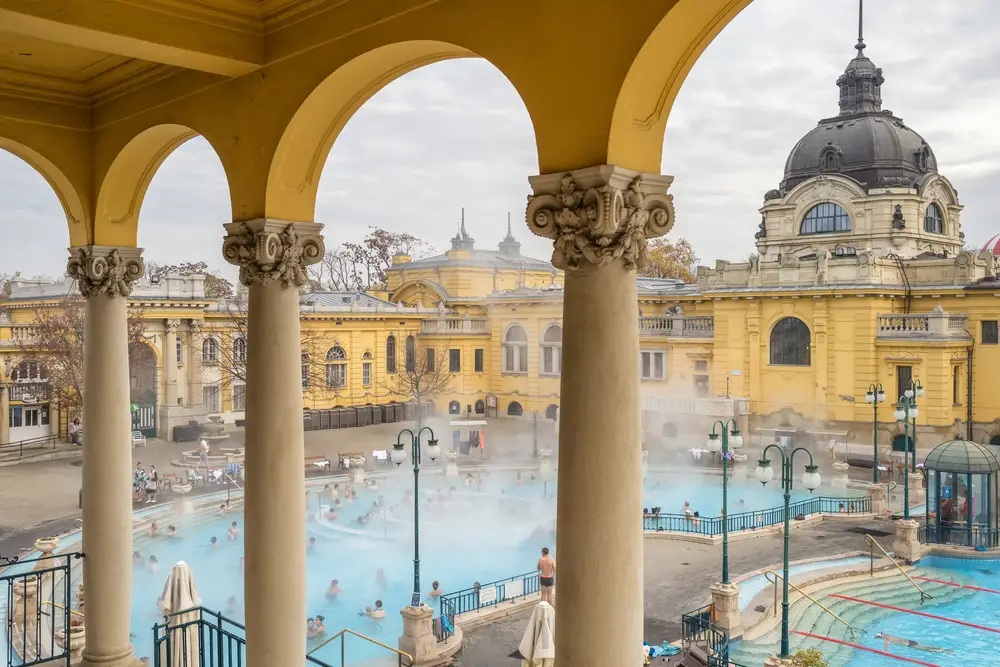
<point>686,523</point>
<point>958,535</point>
<point>697,628</point>
<point>477,597</point>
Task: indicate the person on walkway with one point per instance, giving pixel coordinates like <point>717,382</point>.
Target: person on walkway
<point>152,485</point>
<point>546,575</point>
<point>74,431</point>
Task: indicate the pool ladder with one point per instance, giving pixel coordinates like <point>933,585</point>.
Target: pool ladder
<point>872,543</point>
<point>850,628</point>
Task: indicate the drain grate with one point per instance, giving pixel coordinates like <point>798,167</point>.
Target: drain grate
<point>867,531</point>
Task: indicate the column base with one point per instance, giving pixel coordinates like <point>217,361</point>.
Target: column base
<point>726,601</point>
<point>418,634</point>
<point>126,659</point>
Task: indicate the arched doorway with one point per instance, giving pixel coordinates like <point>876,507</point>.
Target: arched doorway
<point>142,388</point>
<point>552,412</point>
<point>480,407</point>
<point>902,442</point>
<point>514,409</point>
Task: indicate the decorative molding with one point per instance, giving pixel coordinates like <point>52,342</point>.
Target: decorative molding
<point>270,251</point>
<point>196,326</point>
<point>600,214</point>
<point>106,270</point>
<point>172,326</point>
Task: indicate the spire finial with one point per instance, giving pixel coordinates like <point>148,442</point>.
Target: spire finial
<point>462,231</point>
<point>861,28</point>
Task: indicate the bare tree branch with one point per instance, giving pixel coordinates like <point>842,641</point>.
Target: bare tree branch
<point>422,375</point>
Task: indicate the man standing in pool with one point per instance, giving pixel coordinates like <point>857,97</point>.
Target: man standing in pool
<point>546,575</point>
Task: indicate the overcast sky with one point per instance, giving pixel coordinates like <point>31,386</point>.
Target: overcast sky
<point>455,134</point>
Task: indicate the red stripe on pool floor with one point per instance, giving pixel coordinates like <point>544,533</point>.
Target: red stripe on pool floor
<point>952,583</point>
<point>918,613</point>
<point>865,648</point>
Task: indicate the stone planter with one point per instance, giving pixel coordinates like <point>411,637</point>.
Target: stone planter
<point>451,467</point>
<point>182,489</point>
<point>45,545</point>
<point>77,639</point>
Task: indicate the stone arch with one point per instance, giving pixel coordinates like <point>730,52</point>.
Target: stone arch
<point>124,183</point>
<point>480,407</point>
<point>144,362</point>
<point>656,75</point>
<point>514,409</point>
<point>552,412</point>
<point>77,216</point>
<point>297,166</point>
<point>454,408</point>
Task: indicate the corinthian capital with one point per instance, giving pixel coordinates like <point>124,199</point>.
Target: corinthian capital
<point>273,251</point>
<point>104,269</point>
<point>172,326</point>
<point>600,214</point>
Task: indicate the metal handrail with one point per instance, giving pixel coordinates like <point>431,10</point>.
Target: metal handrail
<point>237,484</point>
<point>59,606</point>
<point>872,542</point>
<point>340,635</point>
<point>849,627</point>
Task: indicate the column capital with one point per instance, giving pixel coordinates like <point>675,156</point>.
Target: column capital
<point>107,270</point>
<point>600,214</point>
<point>196,326</point>
<point>273,250</point>
<point>172,325</point>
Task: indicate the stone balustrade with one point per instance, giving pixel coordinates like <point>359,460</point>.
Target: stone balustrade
<point>935,325</point>
<point>678,325</point>
<point>455,326</point>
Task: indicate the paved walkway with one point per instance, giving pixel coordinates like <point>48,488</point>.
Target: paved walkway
<point>677,576</point>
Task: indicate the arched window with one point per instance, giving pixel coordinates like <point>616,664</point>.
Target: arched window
<point>480,407</point>
<point>515,409</point>
<point>366,369</point>
<point>390,354</point>
<point>411,354</point>
<point>790,343</point>
<point>210,350</point>
<point>933,220</point>
<point>240,350</point>
<point>995,441</point>
<point>552,350</point>
<point>552,412</point>
<point>515,350</point>
<point>336,367</point>
<point>825,218</point>
<point>454,408</point>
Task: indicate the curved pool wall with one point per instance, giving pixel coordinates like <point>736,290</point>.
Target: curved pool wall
<point>475,536</point>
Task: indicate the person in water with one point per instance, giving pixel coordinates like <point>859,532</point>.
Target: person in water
<point>171,531</point>
<point>378,613</point>
<point>435,590</point>
<point>319,629</point>
<point>153,529</point>
<point>334,590</point>
<point>154,564</point>
<point>233,531</point>
<point>214,542</point>
<point>136,558</point>
<point>910,643</point>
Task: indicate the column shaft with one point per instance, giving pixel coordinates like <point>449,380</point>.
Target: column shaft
<point>104,276</point>
<point>599,548</point>
<point>194,365</point>
<point>170,370</point>
<point>4,413</point>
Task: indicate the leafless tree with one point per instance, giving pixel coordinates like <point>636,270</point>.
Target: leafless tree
<point>424,374</point>
<point>336,272</point>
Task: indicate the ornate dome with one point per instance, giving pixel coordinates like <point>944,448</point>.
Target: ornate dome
<point>961,456</point>
<point>993,246</point>
<point>863,142</point>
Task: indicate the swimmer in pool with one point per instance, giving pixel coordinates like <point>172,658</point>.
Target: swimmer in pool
<point>910,643</point>
<point>334,590</point>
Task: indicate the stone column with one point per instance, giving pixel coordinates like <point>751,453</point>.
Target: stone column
<point>196,396</point>
<point>5,412</point>
<point>272,257</point>
<point>170,370</point>
<point>105,277</point>
<point>599,219</point>
<point>906,546</point>
<point>726,601</point>
<point>918,494</point>
<point>418,634</point>
<point>878,496</point>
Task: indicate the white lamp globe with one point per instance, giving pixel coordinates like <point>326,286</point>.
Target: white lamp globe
<point>869,397</point>
<point>764,472</point>
<point>398,455</point>
<point>881,397</point>
<point>433,449</point>
<point>908,393</point>
<point>811,479</point>
<point>714,443</point>
<point>735,439</point>
<point>899,414</point>
<point>920,391</point>
<point>914,412</point>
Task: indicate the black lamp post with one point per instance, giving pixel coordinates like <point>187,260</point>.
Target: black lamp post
<point>398,456</point>
<point>730,438</point>
<point>905,409</point>
<point>874,396</point>
<point>811,480</point>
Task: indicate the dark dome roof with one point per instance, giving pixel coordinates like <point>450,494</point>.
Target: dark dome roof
<point>961,456</point>
<point>863,142</point>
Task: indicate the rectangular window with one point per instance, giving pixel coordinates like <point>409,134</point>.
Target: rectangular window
<point>31,417</point>
<point>305,371</point>
<point>239,397</point>
<point>653,364</point>
<point>701,365</point>
<point>336,375</point>
<point>180,350</point>
<point>210,396</point>
<point>480,355</point>
<point>956,397</point>
<point>366,373</point>
<point>454,360</point>
<point>44,412</point>
<point>15,417</point>
<point>430,361</point>
<point>991,335</point>
<point>903,376</point>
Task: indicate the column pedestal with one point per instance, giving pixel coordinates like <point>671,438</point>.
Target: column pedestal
<point>906,546</point>
<point>105,277</point>
<point>272,257</point>
<point>878,496</point>
<point>599,219</point>
<point>451,468</point>
<point>418,634</point>
<point>918,494</point>
<point>726,601</point>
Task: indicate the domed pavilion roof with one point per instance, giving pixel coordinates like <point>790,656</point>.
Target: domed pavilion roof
<point>962,457</point>
<point>863,141</point>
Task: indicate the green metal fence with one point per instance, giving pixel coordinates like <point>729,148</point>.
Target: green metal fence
<point>481,596</point>
<point>755,520</point>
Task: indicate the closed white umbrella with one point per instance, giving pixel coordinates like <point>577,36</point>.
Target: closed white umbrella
<point>538,645</point>
<point>179,594</point>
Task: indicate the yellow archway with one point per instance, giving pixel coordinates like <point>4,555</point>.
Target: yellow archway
<point>70,200</point>
<point>656,76</point>
<point>121,192</point>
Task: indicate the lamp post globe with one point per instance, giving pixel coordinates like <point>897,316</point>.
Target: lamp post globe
<point>714,443</point>
<point>433,449</point>
<point>764,472</point>
<point>881,397</point>
<point>899,414</point>
<point>735,439</point>
<point>914,412</point>
<point>811,479</point>
<point>869,396</point>
<point>397,454</point>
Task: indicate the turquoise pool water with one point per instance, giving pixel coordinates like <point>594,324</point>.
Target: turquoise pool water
<point>754,585</point>
<point>965,645</point>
